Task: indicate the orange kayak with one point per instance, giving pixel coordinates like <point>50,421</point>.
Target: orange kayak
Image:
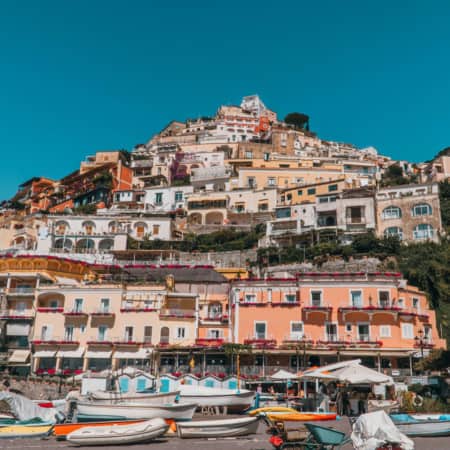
<point>61,430</point>
<point>300,417</point>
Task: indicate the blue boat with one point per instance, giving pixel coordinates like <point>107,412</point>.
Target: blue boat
<point>424,425</point>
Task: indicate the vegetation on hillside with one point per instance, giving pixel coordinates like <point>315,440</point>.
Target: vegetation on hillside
<point>299,120</point>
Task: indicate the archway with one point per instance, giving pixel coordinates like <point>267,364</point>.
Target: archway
<point>106,244</point>
<point>214,218</point>
<point>195,219</point>
<point>85,245</point>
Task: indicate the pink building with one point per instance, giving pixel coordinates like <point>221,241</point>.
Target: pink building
<point>318,318</point>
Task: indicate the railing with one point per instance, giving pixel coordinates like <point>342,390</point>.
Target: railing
<point>177,313</point>
<point>55,340</point>
<point>21,291</point>
<point>16,314</point>
<point>100,340</point>
<point>47,309</point>
<point>75,312</point>
<point>102,312</point>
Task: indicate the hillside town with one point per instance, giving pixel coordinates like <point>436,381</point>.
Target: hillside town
<point>93,274</point>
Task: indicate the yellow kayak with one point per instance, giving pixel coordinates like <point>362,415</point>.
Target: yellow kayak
<point>24,431</point>
<point>269,409</point>
<point>300,417</point>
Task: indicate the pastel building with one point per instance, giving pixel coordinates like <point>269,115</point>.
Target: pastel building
<point>318,318</point>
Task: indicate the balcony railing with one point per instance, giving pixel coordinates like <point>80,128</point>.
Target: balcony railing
<point>100,340</point>
<point>21,291</point>
<point>55,340</point>
<point>13,314</point>
<point>47,309</point>
<point>209,342</point>
<point>75,313</point>
<point>126,340</point>
<point>102,313</point>
<point>259,341</point>
<point>177,313</point>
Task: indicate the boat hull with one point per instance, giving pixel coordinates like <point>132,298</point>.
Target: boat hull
<point>218,428</point>
<point>119,434</point>
<point>61,430</point>
<point>411,426</point>
<point>234,401</point>
<point>129,410</point>
<point>24,431</point>
<point>301,417</point>
<point>117,397</point>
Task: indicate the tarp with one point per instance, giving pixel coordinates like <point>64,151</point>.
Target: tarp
<point>357,374</point>
<point>283,375</point>
<point>19,356</point>
<point>375,429</point>
<point>140,354</point>
<point>78,353</point>
<point>24,409</point>
<point>45,354</point>
<point>100,355</point>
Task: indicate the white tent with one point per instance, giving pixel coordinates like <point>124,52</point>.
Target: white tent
<point>284,375</point>
<point>357,374</point>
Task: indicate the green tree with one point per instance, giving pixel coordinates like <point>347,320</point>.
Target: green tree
<point>299,120</point>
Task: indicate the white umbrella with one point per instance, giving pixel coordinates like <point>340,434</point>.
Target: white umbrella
<point>284,375</point>
<point>357,374</point>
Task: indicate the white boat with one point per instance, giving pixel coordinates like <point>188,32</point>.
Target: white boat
<point>218,428</point>
<point>132,410</point>
<point>110,397</point>
<point>234,400</point>
<point>119,434</point>
<point>422,425</point>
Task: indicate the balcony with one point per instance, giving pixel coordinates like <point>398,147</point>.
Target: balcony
<point>136,309</point>
<point>260,342</point>
<point>127,341</point>
<point>103,313</point>
<point>19,292</point>
<point>370,309</point>
<point>50,310</point>
<point>414,313</point>
<point>142,163</point>
<point>209,342</point>
<point>75,313</point>
<point>64,340</point>
<point>297,341</point>
<point>317,309</point>
<point>100,341</point>
<point>177,314</point>
<point>221,318</point>
<point>14,314</point>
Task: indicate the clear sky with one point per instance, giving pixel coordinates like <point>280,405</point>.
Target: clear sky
<point>80,76</point>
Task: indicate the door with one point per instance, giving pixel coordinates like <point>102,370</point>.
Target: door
<point>356,297</point>
<point>104,305</point>
<point>363,332</point>
<point>128,334</point>
<point>331,332</point>
<point>260,330</point>
<point>124,383</point>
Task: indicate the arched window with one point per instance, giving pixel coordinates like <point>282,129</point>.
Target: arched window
<point>423,231</point>
<point>88,227</point>
<point>61,227</point>
<point>423,209</point>
<point>394,232</point>
<point>391,212</point>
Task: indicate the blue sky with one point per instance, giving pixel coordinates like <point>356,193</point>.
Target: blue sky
<point>76,77</point>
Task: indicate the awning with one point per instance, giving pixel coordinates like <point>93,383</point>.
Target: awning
<point>142,353</point>
<point>45,354</point>
<point>19,356</point>
<point>78,353</point>
<point>17,329</point>
<point>100,355</point>
<point>284,375</point>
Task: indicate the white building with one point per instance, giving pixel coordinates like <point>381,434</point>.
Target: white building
<point>166,198</point>
<point>98,234</point>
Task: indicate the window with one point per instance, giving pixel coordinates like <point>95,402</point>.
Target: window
<point>104,302</point>
<point>128,337</point>
<point>391,212</point>
<point>401,303</point>
<point>316,298</point>
<point>266,156</point>
<point>394,232</point>
<point>271,181</point>
<point>158,198</point>
<point>148,335</point>
<point>407,331</point>
<point>296,330</point>
<point>181,333</point>
<point>385,331</point>
<point>423,231</point>
<point>331,332</point>
<point>348,327</point>
<point>251,182</point>
<point>424,209</point>
<point>415,303</point>
<point>68,333</point>
<point>46,333</point>
<point>290,298</point>
<point>355,214</point>
<point>356,299</point>
<point>300,192</point>
<point>53,304</point>
<point>263,206</point>
<point>102,332</point>
<point>178,196</point>
<point>240,207</point>
<point>311,191</point>
<point>289,197</point>
<point>248,155</point>
<point>260,330</point>
<point>383,299</point>
<point>155,230</point>
<point>363,332</point>
<point>250,298</point>
<point>332,187</point>
<point>78,305</point>
<point>82,329</point>
<point>215,334</point>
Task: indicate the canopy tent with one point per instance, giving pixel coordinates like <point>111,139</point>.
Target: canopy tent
<point>327,371</point>
<point>357,374</point>
<point>284,375</point>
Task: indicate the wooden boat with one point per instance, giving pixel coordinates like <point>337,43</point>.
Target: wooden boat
<point>234,400</point>
<point>269,409</point>
<point>24,431</point>
<point>119,434</point>
<point>416,425</point>
<point>108,397</point>
<point>61,430</point>
<point>218,428</point>
<point>300,416</point>
<point>131,410</point>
